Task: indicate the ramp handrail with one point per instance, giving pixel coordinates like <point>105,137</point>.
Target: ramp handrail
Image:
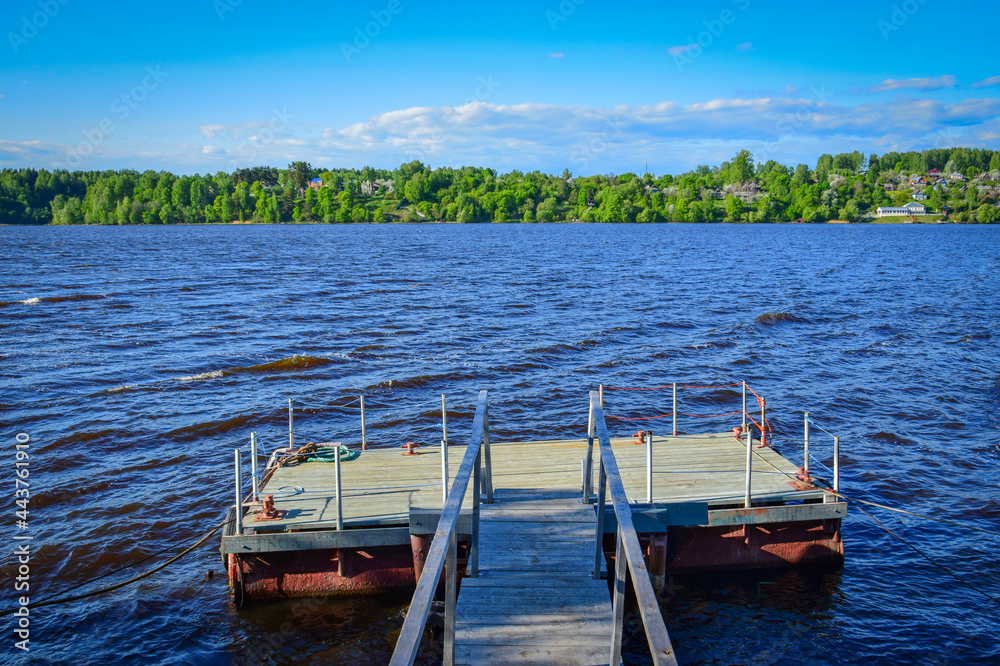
<point>444,546</point>
<point>627,551</point>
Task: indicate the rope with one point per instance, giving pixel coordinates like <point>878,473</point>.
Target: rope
<point>924,555</point>
<point>696,416</point>
<point>688,386</point>
<point>813,423</point>
<point>820,463</point>
<point>651,388</point>
<point>916,515</point>
<point>670,386</point>
<point>110,588</point>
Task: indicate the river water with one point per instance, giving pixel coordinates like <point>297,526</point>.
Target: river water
<point>137,358</point>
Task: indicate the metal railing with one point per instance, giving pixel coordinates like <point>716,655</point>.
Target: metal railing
<point>476,467</point>
<point>628,552</point>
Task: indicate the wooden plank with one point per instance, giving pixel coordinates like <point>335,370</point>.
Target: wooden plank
<point>476,655</point>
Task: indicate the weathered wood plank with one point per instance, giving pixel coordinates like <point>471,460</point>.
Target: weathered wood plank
<point>476,655</point>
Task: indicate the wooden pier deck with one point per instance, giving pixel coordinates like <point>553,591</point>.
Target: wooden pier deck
<point>381,486</point>
<point>535,600</point>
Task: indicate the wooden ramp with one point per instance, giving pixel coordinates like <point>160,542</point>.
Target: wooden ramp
<point>535,600</point>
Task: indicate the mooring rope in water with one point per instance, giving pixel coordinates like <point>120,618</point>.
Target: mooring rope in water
<point>111,588</point>
<point>837,493</point>
<point>922,554</point>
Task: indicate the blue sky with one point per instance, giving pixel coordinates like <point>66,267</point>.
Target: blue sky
<point>595,87</point>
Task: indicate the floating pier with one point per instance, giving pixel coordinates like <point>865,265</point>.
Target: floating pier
<point>534,539</point>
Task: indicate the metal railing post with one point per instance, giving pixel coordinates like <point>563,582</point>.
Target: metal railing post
<point>746,502</point>
<point>744,406</point>
<point>444,420</point>
<point>444,470</point>
<point>450,599</point>
<point>836,464</point>
<point>239,494</point>
<point>487,457</point>
<point>618,598</point>
<point>340,495</point>
<point>364,432</point>
<point>805,445</point>
<point>649,467</point>
<point>472,568</point>
<point>588,461</point>
<point>253,466</point>
<point>674,410</point>
<point>602,490</point>
<point>763,423</point>
<point>291,428</point>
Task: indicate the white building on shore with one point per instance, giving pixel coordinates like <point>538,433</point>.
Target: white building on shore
<point>912,208</point>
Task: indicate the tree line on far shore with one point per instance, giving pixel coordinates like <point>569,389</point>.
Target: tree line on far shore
<point>846,186</point>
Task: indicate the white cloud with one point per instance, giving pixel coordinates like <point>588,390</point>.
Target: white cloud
<point>589,139</point>
<point>743,47</point>
<point>554,56</point>
<point>790,128</point>
<point>681,50</point>
<point>925,84</point>
<point>985,83</point>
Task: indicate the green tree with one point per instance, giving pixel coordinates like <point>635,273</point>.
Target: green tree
<point>300,173</point>
<point>734,209</point>
<point>741,169</point>
<point>987,214</point>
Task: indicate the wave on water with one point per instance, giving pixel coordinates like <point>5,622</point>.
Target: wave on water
<point>889,438</point>
<point>295,362</point>
<point>60,299</point>
<point>771,318</point>
<point>292,363</point>
<point>204,375</point>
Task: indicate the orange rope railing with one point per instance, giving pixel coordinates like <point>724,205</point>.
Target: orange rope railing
<point>669,386</point>
<point>766,432</point>
<point>661,416</point>
<point>651,388</point>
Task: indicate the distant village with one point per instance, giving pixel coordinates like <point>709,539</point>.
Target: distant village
<point>937,186</point>
<point>948,185</point>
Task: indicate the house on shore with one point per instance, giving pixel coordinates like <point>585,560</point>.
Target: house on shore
<point>316,183</point>
<point>912,208</point>
<point>920,195</point>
